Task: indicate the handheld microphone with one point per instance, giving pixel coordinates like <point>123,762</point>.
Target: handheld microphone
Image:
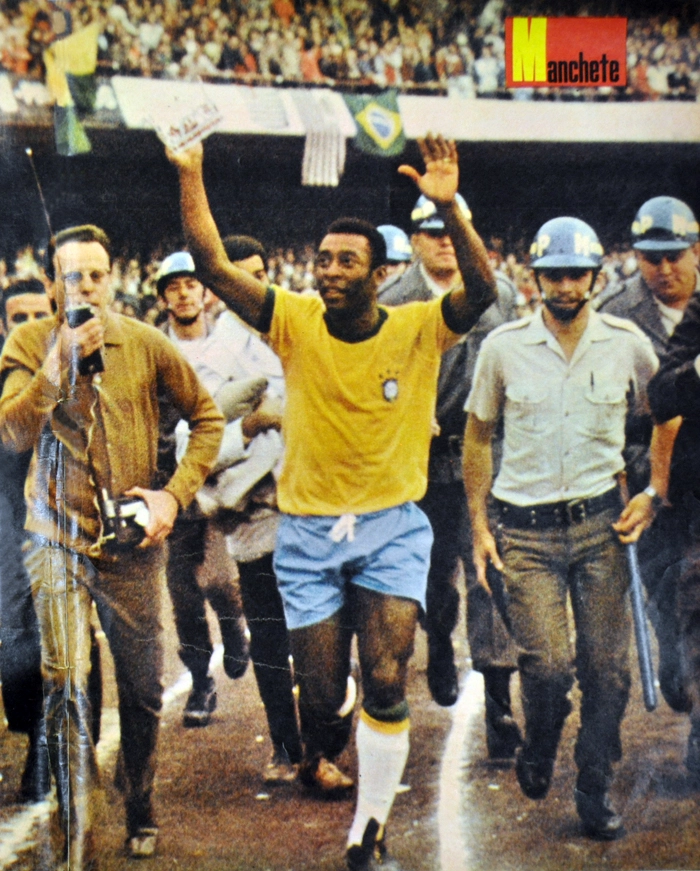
<point>94,362</point>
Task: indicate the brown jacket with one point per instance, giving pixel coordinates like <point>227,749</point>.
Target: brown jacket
<point>63,424</point>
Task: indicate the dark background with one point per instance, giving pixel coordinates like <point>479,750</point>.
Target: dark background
<point>254,182</point>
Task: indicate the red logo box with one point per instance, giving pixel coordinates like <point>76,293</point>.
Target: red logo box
<point>566,52</point>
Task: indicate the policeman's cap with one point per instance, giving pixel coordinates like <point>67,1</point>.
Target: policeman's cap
<point>425,214</point>
<point>398,246</point>
<point>664,224</point>
<point>177,264</point>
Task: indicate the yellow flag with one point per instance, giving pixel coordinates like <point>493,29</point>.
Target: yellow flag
<point>70,77</point>
<point>75,55</point>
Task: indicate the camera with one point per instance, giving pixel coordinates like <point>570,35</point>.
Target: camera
<point>124,520</point>
<point>93,363</point>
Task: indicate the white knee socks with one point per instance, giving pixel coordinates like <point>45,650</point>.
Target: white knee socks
<point>382,750</point>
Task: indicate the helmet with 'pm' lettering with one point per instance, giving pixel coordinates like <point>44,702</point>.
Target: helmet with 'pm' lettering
<point>664,224</point>
<point>566,243</point>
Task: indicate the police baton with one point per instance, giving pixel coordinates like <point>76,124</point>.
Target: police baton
<point>641,628</point>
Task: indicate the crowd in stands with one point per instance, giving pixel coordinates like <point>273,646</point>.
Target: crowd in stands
<point>433,45</point>
<point>291,267</point>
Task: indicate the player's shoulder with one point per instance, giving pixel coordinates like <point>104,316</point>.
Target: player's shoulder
<point>303,299</point>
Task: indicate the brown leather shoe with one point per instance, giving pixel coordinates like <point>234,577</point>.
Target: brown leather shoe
<point>325,778</point>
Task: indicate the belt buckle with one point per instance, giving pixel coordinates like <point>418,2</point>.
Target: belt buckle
<point>576,511</point>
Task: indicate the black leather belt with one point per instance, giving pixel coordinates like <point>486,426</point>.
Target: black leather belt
<point>551,515</point>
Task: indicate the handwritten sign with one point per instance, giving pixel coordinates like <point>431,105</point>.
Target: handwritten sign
<point>179,131</point>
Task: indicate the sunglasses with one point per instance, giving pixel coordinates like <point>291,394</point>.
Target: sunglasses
<point>655,257</point>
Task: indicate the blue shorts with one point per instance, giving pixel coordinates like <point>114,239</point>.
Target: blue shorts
<point>390,553</point>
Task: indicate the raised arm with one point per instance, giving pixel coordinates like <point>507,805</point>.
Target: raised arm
<point>439,183</point>
<point>241,292</point>
<point>478,474</point>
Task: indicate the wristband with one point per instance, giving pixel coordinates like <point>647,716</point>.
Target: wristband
<point>656,500</point>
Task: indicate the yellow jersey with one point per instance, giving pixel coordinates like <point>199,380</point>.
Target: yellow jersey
<point>357,421</point>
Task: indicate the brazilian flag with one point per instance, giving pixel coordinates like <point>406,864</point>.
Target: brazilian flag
<point>70,77</point>
<point>379,127</point>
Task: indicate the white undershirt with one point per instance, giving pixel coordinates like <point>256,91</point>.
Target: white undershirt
<point>670,317</point>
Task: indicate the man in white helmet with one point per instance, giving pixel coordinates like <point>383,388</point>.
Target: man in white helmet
<point>560,381</point>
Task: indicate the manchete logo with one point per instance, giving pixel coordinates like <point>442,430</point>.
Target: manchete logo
<point>566,52</point>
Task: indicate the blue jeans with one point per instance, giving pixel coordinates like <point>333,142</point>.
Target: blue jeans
<point>542,568</point>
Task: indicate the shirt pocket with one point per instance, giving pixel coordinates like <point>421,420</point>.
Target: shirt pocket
<point>527,408</point>
<point>604,412</point>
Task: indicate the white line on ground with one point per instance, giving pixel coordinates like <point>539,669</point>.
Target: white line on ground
<point>17,834</point>
<point>467,714</point>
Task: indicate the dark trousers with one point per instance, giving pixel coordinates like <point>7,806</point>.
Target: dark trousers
<point>199,570</point>
<point>126,590</point>
<point>542,568</point>
<point>20,651</point>
<point>489,641</point>
<point>660,552</point>
<point>269,650</point>
<point>688,603</point>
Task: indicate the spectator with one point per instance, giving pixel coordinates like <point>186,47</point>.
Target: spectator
<point>488,73</point>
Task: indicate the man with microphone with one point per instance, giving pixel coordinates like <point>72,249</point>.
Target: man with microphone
<point>95,438</point>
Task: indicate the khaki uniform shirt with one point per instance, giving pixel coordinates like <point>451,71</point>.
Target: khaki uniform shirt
<point>114,416</point>
<point>564,420</point>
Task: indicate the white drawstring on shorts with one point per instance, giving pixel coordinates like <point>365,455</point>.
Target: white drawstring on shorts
<point>344,528</point>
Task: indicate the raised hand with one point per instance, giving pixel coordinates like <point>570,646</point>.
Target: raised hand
<point>441,178</point>
<point>187,159</point>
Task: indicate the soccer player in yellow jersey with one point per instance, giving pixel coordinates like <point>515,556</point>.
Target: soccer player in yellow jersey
<point>353,550</point>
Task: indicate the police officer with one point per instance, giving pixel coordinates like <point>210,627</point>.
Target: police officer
<point>560,380</point>
<point>434,272</point>
<point>675,392</point>
<point>665,239</point>
<point>398,250</point>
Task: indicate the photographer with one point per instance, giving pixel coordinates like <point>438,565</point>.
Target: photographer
<point>95,439</point>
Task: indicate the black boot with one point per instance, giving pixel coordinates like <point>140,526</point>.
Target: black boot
<point>442,672</point>
<point>534,761</point>
<point>36,779</point>
<point>236,649</point>
<point>534,771</point>
<point>598,816</point>
<point>502,732</point>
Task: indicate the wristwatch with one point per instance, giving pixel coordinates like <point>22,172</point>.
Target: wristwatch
<point>656,500</point>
